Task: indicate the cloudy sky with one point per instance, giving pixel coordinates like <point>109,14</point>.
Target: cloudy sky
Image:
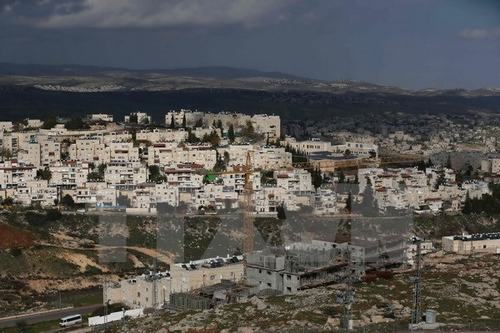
<point>410,43</point>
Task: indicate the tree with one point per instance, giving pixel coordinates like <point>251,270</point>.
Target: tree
<point>155,174</point>
<point>6,154</point>
<point>8,201</point>
<point>348,203</point>
<point>172,122</point>
<point>219,164</point>
<point>43,174</point>
<point>192,138</point>
<point>133,118</point>
<point>226,157</point>
<point>248,131</point>
<point>67,201</point>
<point>421,166</point>
<point>76,124</point>
<point>230,133</point>
<point>219,126</point>
<point>97,175</point>
<point>212,138</point>
<point>317,178</point>
<point>184,121</point>
<point>448,162</point>
<point>467,209</point>
<point>281,212</point>
<point>341,177</point>
<point>369,205</point>
<point>199,123</point>
<point>49,122</point>
<point>440,181</point>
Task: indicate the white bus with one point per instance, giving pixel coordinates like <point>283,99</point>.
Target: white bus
<point>70,320</point>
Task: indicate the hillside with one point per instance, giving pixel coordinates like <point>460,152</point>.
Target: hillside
<point>19,102</point>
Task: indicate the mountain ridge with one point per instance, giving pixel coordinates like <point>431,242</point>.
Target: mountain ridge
<point>87,78</point>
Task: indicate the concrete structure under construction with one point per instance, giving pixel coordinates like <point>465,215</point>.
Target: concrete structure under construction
<point>304,265</point>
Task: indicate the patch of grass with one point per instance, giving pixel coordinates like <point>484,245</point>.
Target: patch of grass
<point>35,328</point>
<point>309,316</point>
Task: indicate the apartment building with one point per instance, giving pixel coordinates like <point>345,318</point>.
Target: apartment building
<point>271,158</point>
<point>103,117</point>
<point>206,272</point>
<point>154,290</point>
<point>125,173</point>
<point>145,291</point>
<point>475,243</point>
<point>36,192</point>
<point>162,135</point>
<point>138,118</point>
<point>14,174</point>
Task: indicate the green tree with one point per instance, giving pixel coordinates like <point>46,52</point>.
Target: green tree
<point>192,138</point>
<point>348,203</point>
<point>341,177</point>
<point>212,138</point>
<point>172,122</point>
<point>67,201</point>
<point>281,212</point>
<point>184,121</point>
<point>448,161</point>
<point>199,123</point>
<point>155,174</point>
<point>76,123</point>
<point>6,154</point>
<point>43,174</point>
<point>8,201</point>
<point>50,122</point>
<point>317,178</point>
<point>133,118</point>
<point>230,133</point>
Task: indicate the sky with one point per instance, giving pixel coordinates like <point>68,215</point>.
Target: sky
<point>413,44</point>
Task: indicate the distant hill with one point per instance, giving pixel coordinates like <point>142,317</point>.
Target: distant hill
<point>18,102</point>
<point>40,90</point>
<point>221,72</point>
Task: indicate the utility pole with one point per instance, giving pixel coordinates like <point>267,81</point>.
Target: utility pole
<point>417,286</point>
<point>348,297</point>
<point>105,301</point>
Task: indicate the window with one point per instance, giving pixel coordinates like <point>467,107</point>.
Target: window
<point>269,284</point>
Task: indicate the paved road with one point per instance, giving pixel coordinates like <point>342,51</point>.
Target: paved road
<point>34,318</point>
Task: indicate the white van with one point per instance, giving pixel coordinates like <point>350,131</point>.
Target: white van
<point>70,320</point>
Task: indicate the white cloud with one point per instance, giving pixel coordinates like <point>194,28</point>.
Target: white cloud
<point>154,13</point>
<point>477,33</point>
